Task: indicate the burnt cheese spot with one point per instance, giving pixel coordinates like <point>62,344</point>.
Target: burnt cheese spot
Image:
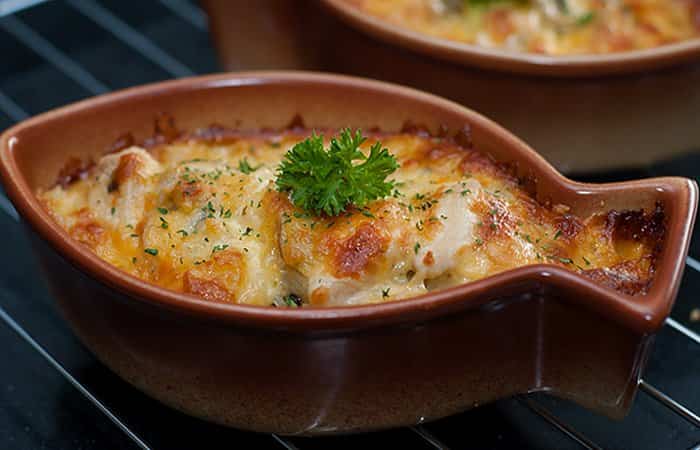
<point>429,259</point>
<point>122,142</point>
<point>217,279</point>
<point>75,169</point>
<point>630,277</point>
<point>568,226</point>
<point>208,289</point>
<point>352,255</point>
<point>128,166</point>
<point>87,230</point>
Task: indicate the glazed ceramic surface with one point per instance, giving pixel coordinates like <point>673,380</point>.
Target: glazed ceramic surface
<point>330,370</point>
<point>582,113</point>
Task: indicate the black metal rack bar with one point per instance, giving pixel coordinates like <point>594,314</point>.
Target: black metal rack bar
<point>680,328</point>
<point>187,12</point>
<point>8,7</point>
<point>103,17</point>
<point>12,324</point>
<point>284,442</point>
<point>48,51</point>
<point>560,425</point>
<point>670,403</point>
<point>12,109</point>
<point>428,437</point>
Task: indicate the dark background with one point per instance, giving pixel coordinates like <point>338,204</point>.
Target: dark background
<point>53,54</point>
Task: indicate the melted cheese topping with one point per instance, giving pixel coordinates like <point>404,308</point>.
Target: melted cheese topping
<point>555,27</point>
<point>204,217</point>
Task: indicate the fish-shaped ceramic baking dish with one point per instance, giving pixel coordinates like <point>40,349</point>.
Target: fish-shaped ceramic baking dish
<point>345,369</point>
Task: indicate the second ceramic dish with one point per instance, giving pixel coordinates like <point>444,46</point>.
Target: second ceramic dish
<point>582,113</point>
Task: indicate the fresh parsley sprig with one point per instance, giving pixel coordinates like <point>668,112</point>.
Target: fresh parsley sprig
<point>327,181</point>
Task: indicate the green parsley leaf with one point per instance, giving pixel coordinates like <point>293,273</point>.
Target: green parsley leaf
<point>151,251</point>
<point>292,300</point>
<point>585,19</point>
<point>327,181</point>
<point>563,6</point>
<point>566,260</point>
<point>218,248</point>
<point>245,167</point>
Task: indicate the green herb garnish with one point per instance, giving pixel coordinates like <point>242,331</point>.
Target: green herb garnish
<point>292,300</point>
<point>245,167</point>
<point>326,180</point>
<point>151,251</point>
<point>566,260</point>
<point>563,6</point>
<point>585,19</point>
<point>218,248</point>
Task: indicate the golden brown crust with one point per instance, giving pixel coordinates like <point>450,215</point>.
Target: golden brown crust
<point>569,226</point>
<point>630,277</point>
<point>127,168</point>
<point>124,141</point>
<point>218,278</point>
<point>87,230</point>
<point>207,289</point>
<point>75,169</point>
<point>212,230</point>
<point>352,255</point>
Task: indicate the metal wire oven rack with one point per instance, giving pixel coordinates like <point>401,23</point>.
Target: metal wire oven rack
<point>76,48</point>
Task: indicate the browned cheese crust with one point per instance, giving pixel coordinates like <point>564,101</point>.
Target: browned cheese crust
<point>199,213</point>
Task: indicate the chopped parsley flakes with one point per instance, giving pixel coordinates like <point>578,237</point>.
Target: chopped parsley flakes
<point>245,167</point>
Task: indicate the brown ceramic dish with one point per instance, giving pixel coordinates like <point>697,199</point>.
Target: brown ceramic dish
<point>520,62</point>
<point>315,371</point>
<point>582,113</point>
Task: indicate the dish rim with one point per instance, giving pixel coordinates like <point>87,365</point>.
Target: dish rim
<point>587,65</point>
<point>644,313</point>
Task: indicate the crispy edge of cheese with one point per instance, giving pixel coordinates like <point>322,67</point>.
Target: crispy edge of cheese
<point>459,217</point>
